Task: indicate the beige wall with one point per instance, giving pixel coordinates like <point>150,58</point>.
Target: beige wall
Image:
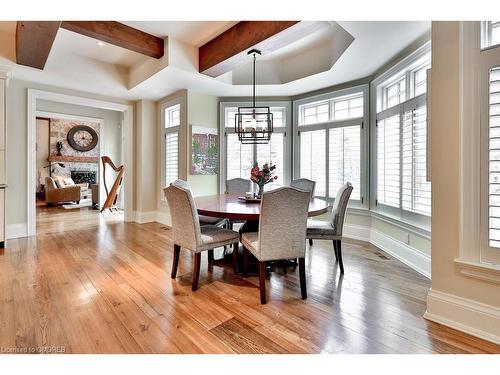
<point>146,161</point>
<point>464,302</point>
<point>199,110</point>
<point>16,205</point>
<point>445,137</point>
<point>202,111</point>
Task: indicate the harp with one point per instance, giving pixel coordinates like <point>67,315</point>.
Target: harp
<point>112,195</point>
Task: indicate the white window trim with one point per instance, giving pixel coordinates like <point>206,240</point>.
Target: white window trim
<point>287,157</point>
<point>164,105</point>
<point>486,36</point>
<point>406,67</point>
<point>474,63</point>
<point>363,189</point>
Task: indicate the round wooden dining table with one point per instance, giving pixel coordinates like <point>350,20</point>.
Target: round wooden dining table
<point>229,206</point>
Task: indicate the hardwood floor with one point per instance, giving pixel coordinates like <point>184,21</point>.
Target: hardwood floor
<point>51,219</point>
<point>98,287</point>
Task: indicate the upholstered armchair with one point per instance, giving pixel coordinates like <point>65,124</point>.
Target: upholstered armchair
<point>188,234</point>
<point>54,194</point>
<point>282,233</point>
<point>332,230</point>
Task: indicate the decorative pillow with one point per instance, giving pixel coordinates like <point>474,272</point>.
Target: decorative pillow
<point>68,181</point>
<point>62,182</point>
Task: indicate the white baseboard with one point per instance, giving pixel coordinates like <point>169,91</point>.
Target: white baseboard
<point>410,256</point>
<point>163,218</point>
<point>145,217</point>
<point>16,230</point>
<point>472,317</point>
<point>357,232</point>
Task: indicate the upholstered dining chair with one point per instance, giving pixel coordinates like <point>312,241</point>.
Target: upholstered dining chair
<point>188,234</point>
<point>332,230</point>
<point>281,235</point>
<point>307,185</point>
<point>304,184</point>
<point>238,186</point>
<point>206,220</point>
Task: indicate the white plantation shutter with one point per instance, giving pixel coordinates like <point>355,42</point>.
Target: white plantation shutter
<point>494,159</point>
<point>239,158</point>
<point>312,158</point>
<point>344,159</point>
<point>273,152</point>
<point>171,121</point>
<point>416,190</point>
<point>388,161</point>
<point>171,157</point>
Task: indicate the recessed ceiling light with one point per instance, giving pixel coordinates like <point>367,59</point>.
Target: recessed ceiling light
<point>100,44</point>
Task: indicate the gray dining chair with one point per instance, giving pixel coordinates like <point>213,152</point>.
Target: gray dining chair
<point>332,230</point>
<point>304,184</point>
<point>281,235</point>
<point>238,186</point>
<point>307,185</point>
<point>188,234</point>
<point>206,220</point>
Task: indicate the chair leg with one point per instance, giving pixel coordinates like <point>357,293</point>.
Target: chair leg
<point>245,262</point>
<point>262,282</point>
<point>210,257</point>
<point>196,271</point>
<point>339,254</point>
<point>235,257</point>
<point>175,263</point>
<point>310,242</point>
<point>302,274</point>
<point>335,250</point>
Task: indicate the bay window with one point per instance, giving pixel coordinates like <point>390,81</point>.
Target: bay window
<point>400,140</point>
<point>240,158</point>
<point>331,142</point>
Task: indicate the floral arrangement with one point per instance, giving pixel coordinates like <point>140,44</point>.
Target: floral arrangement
<point>263,176</point>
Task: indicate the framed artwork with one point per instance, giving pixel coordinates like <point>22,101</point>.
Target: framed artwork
<point>204,150</point>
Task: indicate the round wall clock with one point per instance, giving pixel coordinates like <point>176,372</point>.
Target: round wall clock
<point>82,138</point>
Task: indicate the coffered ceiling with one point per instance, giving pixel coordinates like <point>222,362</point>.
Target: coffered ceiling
<point>334,53</point>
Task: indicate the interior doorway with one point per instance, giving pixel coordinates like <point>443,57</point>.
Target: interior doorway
<point>68,162</point>
<point>68,136</point>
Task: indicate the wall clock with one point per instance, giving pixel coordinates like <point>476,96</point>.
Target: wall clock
<point>82,138</point>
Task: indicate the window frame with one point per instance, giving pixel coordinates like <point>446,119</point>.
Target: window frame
<point>363,121</point>
<point>286,130</point>
<point>378,101</point>
<point>163,133</point>
<point>486,31</point>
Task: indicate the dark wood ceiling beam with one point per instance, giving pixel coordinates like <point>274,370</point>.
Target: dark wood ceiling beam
<point>120,35</point>
<point>34,40</point>
<point>229,49</point>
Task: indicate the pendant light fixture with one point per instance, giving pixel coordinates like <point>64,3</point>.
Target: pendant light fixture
<point>254,125</point>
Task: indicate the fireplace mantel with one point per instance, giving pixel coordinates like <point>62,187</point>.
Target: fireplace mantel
<point>78,159</point>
